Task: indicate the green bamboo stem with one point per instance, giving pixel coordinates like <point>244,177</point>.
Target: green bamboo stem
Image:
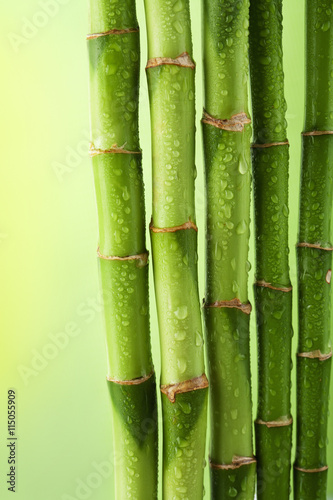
<point>273,292</point>
<point>170,73</point>
<point>227,133</point>
<point>114,54</point>
<point>314,252</point>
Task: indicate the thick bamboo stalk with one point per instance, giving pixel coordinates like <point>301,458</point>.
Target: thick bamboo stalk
<point>314,251</point>
<point>227,133</point>
<point>114,54</point>
<point>170,72</point>
<point>273,292</point>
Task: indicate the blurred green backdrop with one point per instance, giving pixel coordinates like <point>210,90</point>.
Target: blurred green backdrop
<point>52,341</point>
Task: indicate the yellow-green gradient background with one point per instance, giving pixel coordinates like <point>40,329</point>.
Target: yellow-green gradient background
<point>48,239</point>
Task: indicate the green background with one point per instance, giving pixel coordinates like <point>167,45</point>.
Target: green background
<point>52,341</point>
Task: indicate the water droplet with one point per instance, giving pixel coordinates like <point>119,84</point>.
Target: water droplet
<point>186,407</point>
<point>234,414</point>
<point>181,335</point>
<point>198,339</point>
<point>181,312</point>
<point>243,166</point>
<point>217,252</point>
<point>232,492</point>
<point>241,227</point>
<point>178,27</point>
<point>179,6</point>
<point>178,473</point>
<point>111,69</point>
<point>182,365</point>
<point>265,60</point>
<point>326,26</point>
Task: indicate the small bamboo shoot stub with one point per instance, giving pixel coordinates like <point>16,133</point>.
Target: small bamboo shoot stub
<point>114,56</point>
<point>227,134</point>
<point>184,386</point>
<point>314,252</point>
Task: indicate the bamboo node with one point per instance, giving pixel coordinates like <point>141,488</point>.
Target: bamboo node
<point>113,32</point>
<point>113,150</point>
<point>193,384</point>
<point>283,422</point>
<point>236,463</point>
<point>311,471</point>
<point>317,354</point>
<point>235,124</point>
<point>269,144</point>
<point>187,225</point>
<point>141,257</point>
<point>304,244</point>
<point>184,61</point>
<point>317,132</point>
<point>265,284</point>
<point>134,381</point>
<point>231,304</point>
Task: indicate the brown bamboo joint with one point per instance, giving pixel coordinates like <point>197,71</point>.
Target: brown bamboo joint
<point>275,423</point>
<point>193,384</point>
<point>143,257</point>
<point>269,145</point>
<point>187,225</point>
<point>134,381</point>
<point>317,354</point>
<point>311,471</point>
<point>125,31</point>
<point>234,124</point>
<point>236,463</point>
<point>305,244</point>
<point>184,60</point>
<point>265,284</point>
<point>113,150</point>
<point>317,132</point>
<point>231,304</point>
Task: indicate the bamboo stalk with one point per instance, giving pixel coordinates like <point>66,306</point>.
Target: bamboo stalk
<point>114,55</point>
<point>227,133</point>
<point>314,252</point>
<point>170,73</point>
<point>273,292</point>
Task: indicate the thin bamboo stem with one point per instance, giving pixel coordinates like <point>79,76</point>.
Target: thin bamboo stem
<point>227,133</point>
<point>314,252</point>
<point>170,73</point>
<point>273,292</point>
<point>114,55</point>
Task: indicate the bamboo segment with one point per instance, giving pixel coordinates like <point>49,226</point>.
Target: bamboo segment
<point>227,133</point>
<point>314,252</point>
<point>273,292</point>
<point>114,83</point>
<point>170,73</point>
